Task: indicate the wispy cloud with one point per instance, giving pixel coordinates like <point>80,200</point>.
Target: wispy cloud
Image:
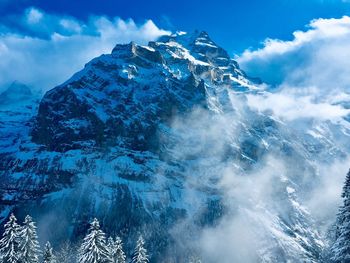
<point>311,79</point>
<point>43,50</point>
<point>293,104</point>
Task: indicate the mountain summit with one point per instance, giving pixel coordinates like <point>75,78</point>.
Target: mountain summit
<point>126,93</point>
<point>146,139</point>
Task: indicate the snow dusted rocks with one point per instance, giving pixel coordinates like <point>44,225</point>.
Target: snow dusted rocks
<point>141,139</point>
<point>127,93</point>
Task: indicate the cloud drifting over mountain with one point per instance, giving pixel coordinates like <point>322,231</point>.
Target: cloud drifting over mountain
<point>311,71</point>
<point>43,50</point>
<point>311,79</point>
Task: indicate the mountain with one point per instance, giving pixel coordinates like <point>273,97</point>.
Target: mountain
<point>18,105</point>
<point>16,92</point>
<point>159,140</point>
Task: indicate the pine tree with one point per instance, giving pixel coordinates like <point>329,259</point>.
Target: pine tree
<point>110,247</point>
<point>140,253</point>
<point>117,254</point>
<point>29,246</point>
<point>94,248</point>
<point>48,256</point>
<point>341,247</point>
<point>9,244</point>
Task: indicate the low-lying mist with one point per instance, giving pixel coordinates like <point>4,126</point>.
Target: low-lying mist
<point>277,197</point>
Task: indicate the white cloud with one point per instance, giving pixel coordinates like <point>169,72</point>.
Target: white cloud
<point>274,47</point>
<point>71,25</point>
<point>319,56</point>
<point>311,79</point>
<point>291,104</point>
<point>311,71</point>
<point>34,16</point>
<point>55,47</point>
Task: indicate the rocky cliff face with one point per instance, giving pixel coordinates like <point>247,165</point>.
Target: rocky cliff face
<point>125,95</point>
<point>140,138</point>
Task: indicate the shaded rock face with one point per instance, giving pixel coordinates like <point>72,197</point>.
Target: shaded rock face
<point>117,97</point>
<point>140,139</point>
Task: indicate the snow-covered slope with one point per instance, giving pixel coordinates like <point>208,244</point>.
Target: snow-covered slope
<point>144,137</point>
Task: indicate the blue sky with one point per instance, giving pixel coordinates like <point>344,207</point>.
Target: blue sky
<point>279,41</point>
<point>235,24</point>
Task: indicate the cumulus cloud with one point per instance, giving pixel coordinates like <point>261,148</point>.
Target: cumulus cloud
<point>311,72</point>
<point>43,50</point>
<point>319,56</point>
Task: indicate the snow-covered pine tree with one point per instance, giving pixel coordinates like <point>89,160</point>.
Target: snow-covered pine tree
<point>94,248</point>
<point>115,247</point>
<point>48,255</point>
<point>341,247</point>
<point>119,252</point>
<point>9,244</point>
<point>29,245</point>
<point>110,247</point>
<point>140,253</point>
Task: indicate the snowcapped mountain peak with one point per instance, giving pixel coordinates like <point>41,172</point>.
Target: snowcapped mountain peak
<point>191,54</point>
<point>200,45</point>
<point>132,51</point>
<point>106,142</point>
<point>188,39</point>
<point>174,73</point>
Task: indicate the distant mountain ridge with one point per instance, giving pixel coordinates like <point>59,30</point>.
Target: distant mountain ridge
<point>15,92</point>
